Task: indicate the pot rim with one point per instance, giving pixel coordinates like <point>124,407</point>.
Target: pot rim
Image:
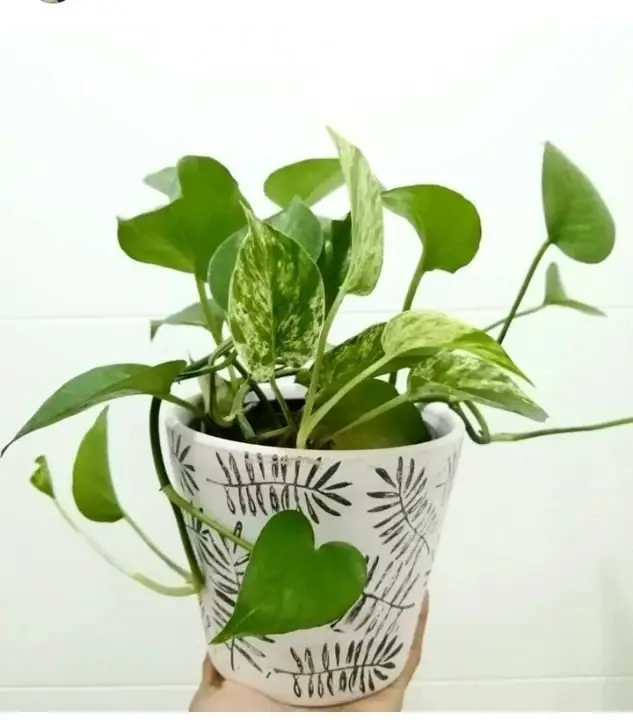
<point>435,415</point>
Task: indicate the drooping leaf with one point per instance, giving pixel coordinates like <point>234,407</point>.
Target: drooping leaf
<point>365,259</point>
<point>165,181</point>
<point>291,585</point>
<point>192,316</point>
<point>447,224</point>
<point>403,425</point>
<point>555,294</point>
<point>298,222</point>
<point>41,478</point>
<point>276,301</point>
<point>101,384</point>
<point>333,261</point>
<point>311,180</point>
<point>465,377</point>
<point>577,218</point>
<point>185,234</point>
<point>92,483</point>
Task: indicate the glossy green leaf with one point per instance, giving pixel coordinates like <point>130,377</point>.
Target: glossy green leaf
<point>403,425</point>
<point>365,260</point>
<point>464,377</point>
<point>276,301</point>
<point>333,262</point>
<point>101,384</point>
<point>192,316</point>
<point>165,181</point>
<point>311,180</point>
<point>221,267</point>
<point>555,294</point>
<point>446,222</point>
<point>291,585</point>
<point>41,478</point>
<point>92,483</point>
<point>298,222</point>
<point>185,234</point>
<point>577,218</point>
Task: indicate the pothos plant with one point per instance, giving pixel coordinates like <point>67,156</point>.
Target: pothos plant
<point>268,293</point>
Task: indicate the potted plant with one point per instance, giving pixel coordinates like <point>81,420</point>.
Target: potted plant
<point>311,480</point>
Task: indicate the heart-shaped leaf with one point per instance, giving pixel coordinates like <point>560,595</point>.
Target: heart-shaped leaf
<point>464,377</point>
<point>291,585</point>
<point>92,483</point>
<point>165,181</point>
<point>400,426</point>
<point>101,384</point>
<point>333,262</point>
<point>555,294</point>
<point>192,316</point>
<point>41,478</point>
<point>365,258</point>
<point>447,224</point>
<point>185,234</point>
<point>577,218</point>
<point>311,180</point>
<point>276,301</point>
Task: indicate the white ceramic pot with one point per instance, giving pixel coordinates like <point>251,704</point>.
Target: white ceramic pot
<point>389,503</point>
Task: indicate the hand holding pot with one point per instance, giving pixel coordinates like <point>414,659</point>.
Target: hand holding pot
<point>216,694</point>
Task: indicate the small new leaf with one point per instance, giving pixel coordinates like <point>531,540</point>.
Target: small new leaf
<point>447,224</point>
<point>464,377</point>
<point>192,316</point>
<point>291,585</point>
<point>165,181</point>
<point>577,218</point>
<point>41,478</point>
<point>311,180</point>
<point>93,490</point>
<point>555,294</point>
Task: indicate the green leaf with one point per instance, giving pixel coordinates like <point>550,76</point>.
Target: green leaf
<point>577,218</point>
<point>101,384</point>
<point>333,262</point>
<point>555,294</point>
<point>41,478</point>
<point>185,234</point>
<point>446,222</point>
<point>222,265</point>
<point>298,222</point>
<point>365,260</point>
<point>403,425</point>
<point>192,316</point>
<point>311,180</point>
<point>165,181</point>
<point>92,483</point>
<point>276,301</point>
<point>464,378</point>
<point>291,585</point>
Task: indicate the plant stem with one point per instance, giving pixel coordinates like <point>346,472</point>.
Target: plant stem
<point>184,404</point>
<point>157,551</point>
<point>370,415</point>
<point>163,480</point>
<point>269,434</point>
<point>522,290</point>
<point>282,403</point>
<point>522,313</point>
<point>472,433</point>
<point>181,503</point>
<point>409,298</point>
<point>261,396</point>
<point>483,425</point>
<point>513,437</point>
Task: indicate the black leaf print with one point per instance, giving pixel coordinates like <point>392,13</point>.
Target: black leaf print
<point>185,470</point>
<point>409,517</point>
<point>250,488</point>
<point>358,665</point>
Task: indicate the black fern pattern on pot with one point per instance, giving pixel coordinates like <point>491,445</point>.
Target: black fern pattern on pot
<point>408,517</point>
<point>224,564</point>
<point>343,667</point>
<point>255,489</point>
<point>385,598</point>
<point>449,475</point>
<point>185,470</point>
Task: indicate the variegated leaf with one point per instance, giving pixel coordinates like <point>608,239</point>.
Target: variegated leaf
<point>465,377</point>
<point>365,262</point>
<point>276,301</point>
<point>311,180</point>
<point>555,294</point>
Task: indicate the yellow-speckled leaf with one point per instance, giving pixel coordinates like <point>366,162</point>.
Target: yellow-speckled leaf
<point>276,301</point>
<point>465,377</point>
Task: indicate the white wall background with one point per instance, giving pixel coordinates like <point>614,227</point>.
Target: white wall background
<point>532,596</point>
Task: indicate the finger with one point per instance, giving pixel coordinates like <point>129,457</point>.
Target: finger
<point>415,653</point>
<point>210,674</point>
